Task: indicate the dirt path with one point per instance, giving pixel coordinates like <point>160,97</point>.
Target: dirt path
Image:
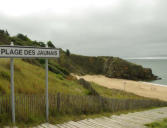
<point>139,88</point>
<point>130,120</point>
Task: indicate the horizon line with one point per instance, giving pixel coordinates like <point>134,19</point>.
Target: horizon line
<point>146,58</point>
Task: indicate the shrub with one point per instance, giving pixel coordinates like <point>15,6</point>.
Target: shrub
<point>67,52</point>
<point>88,86</point>
<point>55,70</point>
<point>50,44</point>
<point>64,71</point>
<point>23,37</point>
<point>3,90</point>
<point>33,61</point>
<point>5,75</point>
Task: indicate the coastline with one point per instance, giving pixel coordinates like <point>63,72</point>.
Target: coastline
<point>141,88</point>
<point>154,84</point>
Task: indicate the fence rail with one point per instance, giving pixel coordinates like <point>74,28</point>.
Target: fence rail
<point>34,105</point>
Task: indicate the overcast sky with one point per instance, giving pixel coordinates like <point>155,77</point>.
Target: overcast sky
<point>124,28</point>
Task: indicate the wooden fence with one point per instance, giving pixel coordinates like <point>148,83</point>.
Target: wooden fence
<point>34,105</point>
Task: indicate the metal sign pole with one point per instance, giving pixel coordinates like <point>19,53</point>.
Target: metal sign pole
<point>47,101</point>
<point>27,52</point>
<point>12,87</point>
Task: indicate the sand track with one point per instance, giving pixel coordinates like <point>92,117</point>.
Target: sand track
<point>139,88</point>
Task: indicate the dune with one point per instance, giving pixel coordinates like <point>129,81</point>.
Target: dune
<point>137,87</point>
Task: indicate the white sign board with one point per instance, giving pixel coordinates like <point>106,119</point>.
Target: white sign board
<point>27,52</point>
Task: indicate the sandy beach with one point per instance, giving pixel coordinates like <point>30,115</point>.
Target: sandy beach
<point>139,88</point>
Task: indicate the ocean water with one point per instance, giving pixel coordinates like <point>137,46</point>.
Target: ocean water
<point>158,66</point>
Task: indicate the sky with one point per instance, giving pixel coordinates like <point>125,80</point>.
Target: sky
<point>123,28</point>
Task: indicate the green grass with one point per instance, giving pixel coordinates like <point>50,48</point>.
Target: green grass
<point>30,79</point>
<point>160,124</point>
<point>65,118</point>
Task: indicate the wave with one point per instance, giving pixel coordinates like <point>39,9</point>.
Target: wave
<point>147,58</point>
<point>154,84</point>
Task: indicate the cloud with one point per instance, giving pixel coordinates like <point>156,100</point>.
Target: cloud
<point>133,28</point>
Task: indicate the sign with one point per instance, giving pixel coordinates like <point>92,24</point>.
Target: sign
<point>27,52</point>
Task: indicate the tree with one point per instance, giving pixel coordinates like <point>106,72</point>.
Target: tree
<point>6,32</point>
<point>23,37</point>
<point>2,31</point>
<point>50,44</point>
<point>68,52</point>
<point>42,44</point>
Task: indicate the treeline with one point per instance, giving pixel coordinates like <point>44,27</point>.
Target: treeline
<point>21,39</point>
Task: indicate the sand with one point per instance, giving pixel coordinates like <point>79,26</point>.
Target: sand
<point>139,88</point>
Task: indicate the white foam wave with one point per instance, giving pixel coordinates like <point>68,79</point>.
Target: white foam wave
<point>154,84</point>
<point>147,58</point>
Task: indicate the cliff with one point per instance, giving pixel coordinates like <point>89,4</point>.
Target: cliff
<point>70,63</point>
<point>112,67</point>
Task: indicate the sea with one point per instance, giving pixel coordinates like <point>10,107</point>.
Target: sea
<point>158,66</point>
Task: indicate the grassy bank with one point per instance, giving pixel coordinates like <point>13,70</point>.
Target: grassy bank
<point>30,79</point>
<point>159,124</point>
<point>69,99</point>
<point>114,93</point>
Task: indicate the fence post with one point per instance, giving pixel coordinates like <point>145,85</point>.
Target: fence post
<point>58,102</point>
<point>0,104</point>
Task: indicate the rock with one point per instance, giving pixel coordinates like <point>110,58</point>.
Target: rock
<point>112,67</point>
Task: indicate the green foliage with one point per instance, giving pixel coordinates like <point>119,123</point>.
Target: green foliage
<point>50,44</point>
<point>5,32</point>
<point>67,52</point>
<point>109,66</point>
<point>4,37</point>
<point>41,44</point>
<point>30,79</point>
<point>160,124</point>
<point>88,86</point>
<point>34,61</point>
<point>114,93</point>
<point>5,75</point>
<point>53,67</point>
<point>58,67</point>
<point>65,72</point>
<point>55,70</point>
<point>41,61</point>
<point>3,90</point>
<point>25,41</point>
<point>4,119</point>
<point>22,37</point>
